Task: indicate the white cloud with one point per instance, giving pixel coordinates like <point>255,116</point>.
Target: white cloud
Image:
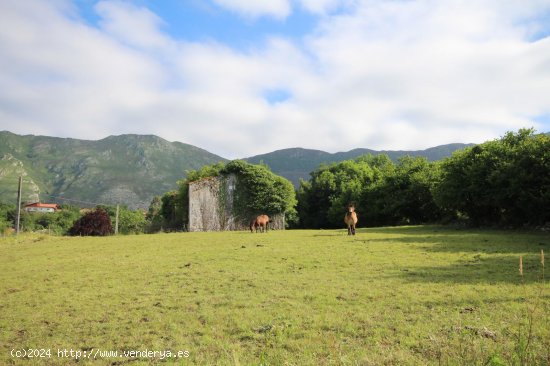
<point>132,25</point>
<point>383,75</point>
<point>253,9</point>
<point>321,6</point>
<point>451,71</point>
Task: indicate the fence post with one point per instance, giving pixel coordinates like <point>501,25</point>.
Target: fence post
<point>18,208</point>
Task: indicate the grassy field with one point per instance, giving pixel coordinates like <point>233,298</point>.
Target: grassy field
<point>423,295</point>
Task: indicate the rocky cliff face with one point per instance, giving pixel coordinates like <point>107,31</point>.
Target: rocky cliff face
<point>10,171</point>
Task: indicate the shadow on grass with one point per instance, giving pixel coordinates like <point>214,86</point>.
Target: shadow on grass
<point>452,240</point>
<point>479,256</point>
<point>479,270</point>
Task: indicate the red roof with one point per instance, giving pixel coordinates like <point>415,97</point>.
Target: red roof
<point>55,206</point>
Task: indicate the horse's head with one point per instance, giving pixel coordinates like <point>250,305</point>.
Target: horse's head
<point>351,208</point>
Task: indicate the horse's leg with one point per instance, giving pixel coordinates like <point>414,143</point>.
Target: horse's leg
<point>349,229</point>
<point>353,229</point>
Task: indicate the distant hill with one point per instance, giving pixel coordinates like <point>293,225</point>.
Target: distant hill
<point>126,169</point>
<point>297,163</point>
<point>132,169</point>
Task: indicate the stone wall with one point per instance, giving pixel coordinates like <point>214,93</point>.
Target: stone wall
<point>203,205</point>
<point>211,206</point>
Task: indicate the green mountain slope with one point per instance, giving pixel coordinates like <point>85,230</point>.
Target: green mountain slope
<point>126,169</point>
<point>132,169</point>
<point>297,163</point>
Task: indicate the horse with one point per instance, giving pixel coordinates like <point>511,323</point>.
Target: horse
<point>260,222</point>
<point>253,225</point>
<point>351,219</point>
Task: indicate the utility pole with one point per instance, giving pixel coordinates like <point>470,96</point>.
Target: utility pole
<point>116,220</point>
<point>18,208</point>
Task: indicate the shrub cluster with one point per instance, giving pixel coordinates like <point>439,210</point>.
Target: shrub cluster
<point>94,223</point>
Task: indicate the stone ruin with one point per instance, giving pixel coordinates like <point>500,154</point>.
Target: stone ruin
<point>211,206</point>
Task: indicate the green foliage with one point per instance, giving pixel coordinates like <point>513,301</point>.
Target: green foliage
<point>153,217</point>
<point>403,195</point>
<point>57,223</point>
<point>258,190</point>
<point>322,201</point>
<point>504,183</point>
<point>501,182</point>
<point>297,163</point>
<point>129,221</point>
<point>384,193</point>
<point>7,212</point>
<point>171,211</point>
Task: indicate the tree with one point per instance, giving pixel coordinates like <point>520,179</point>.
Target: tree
<point>384,193</point>
<point>259,191</point>
<point>94,223</point>
<point>323,200</point>
<point>7,211</point>
<point>153,216</point>
<point>500,182</point>
<point>404,194</point>
<point>171,211</point>
<point>129,221</point>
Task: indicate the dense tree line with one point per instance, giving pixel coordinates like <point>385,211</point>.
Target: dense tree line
<point>505,182</point>
<point>384,192</point>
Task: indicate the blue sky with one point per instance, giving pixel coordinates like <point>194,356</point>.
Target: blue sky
<point>240,78</point>
<point>203,21</point>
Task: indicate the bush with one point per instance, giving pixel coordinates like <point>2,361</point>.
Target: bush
<point>504,182</point>
<point>129,222</point>
<point>94,223</point>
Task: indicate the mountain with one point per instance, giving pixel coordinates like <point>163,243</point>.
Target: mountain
<point>126,169</point>
<point>297,163</point>
<point>132,169</point>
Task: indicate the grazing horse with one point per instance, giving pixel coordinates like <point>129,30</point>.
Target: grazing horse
<point>260,222</point>
<point>253,225</point>
<point>351,219</point>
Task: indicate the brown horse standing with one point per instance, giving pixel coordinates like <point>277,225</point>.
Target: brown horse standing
<point>260,222</point>
<point>351,219</point>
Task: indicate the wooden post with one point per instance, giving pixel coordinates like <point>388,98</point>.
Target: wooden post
<point>18,208</point>
<point>116,220</point>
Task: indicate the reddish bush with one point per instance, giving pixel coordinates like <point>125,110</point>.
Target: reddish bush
<point>94,223</point>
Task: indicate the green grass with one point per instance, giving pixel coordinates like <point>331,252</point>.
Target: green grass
<point>422,295</point>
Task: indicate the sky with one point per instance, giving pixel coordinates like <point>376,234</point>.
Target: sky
<point>240,77</point>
